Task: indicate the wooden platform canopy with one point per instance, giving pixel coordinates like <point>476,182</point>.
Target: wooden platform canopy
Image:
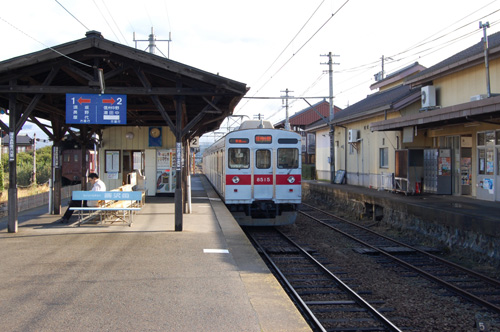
<point>159,91</point>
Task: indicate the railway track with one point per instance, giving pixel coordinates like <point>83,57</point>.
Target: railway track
<point>326,301</point>
<point>466,283</point>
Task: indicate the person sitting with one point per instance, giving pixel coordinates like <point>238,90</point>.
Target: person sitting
<point>97,185</point>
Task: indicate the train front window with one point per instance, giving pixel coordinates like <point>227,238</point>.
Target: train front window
<point>239,158</point>
<point>288,158</point>
<point>263,159</point>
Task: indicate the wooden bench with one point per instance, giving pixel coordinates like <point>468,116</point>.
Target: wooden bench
<point>115,205</point>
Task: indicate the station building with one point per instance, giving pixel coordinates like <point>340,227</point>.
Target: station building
<point>426,130</point>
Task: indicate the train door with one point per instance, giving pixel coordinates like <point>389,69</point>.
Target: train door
<point>263,178</point>
<point>288,175</point>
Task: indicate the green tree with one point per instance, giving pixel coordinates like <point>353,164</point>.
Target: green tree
<point>25,167</point>
<point>43,164</point>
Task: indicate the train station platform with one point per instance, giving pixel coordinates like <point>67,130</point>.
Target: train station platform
<point>147,277</point>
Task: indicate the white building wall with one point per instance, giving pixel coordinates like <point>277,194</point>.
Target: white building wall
<point>323,154</point>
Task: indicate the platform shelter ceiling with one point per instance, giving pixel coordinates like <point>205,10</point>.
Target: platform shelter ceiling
<point>154,85</point>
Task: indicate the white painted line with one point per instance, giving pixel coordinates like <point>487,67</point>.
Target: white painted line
<point>215,251</point>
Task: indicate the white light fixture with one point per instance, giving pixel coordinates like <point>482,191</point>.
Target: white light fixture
<point>129,135</point>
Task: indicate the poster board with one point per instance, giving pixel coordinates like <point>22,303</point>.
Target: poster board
<point>339,177</point>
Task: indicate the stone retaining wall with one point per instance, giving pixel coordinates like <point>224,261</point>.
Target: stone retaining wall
<point>477,239</point>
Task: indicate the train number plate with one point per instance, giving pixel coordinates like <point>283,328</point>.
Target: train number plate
<point>262,179</point>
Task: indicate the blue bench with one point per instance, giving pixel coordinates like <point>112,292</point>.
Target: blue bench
<point>113,205</point>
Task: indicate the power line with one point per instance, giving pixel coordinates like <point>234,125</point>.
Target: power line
<point>72,15</point>
<point>105,20</point>
<point>424,42</point>
<point>291,41</point>
<point>303,45</point>
<point>111,15</point>
<point>286,47</point>
<point>50,48</point>
<point>307,41</point>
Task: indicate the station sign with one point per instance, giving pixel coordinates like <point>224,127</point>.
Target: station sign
<point>96,109</point>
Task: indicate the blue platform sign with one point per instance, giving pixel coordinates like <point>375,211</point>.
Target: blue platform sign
<point>96,109</point>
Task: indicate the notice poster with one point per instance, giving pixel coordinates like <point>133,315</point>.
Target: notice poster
<point>444,166</point>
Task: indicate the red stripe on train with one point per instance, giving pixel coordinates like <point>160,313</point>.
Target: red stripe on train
<point>235,179</point>
<point>282,179</point>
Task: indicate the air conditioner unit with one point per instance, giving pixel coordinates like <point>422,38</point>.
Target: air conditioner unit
<point>428,96</point>
<point>478,97</point>
<point>352,135</point>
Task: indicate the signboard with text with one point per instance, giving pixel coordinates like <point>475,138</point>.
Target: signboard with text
<point>96,109</point>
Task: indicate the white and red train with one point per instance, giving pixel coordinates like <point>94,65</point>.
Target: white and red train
<point>257,172</point>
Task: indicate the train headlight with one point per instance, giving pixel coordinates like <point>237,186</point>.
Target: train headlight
<point>291,179</point>
<point>236,179</point>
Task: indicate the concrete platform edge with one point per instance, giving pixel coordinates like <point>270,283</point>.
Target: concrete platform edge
<point>263,289</point>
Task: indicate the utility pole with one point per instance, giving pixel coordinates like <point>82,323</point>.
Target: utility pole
<point>383,65</point>
<point>152,42</point>
<point>332,116</point>
<point>287,121</point>
<point>486,60</point>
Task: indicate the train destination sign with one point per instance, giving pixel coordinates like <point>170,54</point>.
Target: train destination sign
<point>96,109</point>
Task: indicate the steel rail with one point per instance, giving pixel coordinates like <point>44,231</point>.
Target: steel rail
<point>487,279</point>
<point>429,276</point>
<point>289,287</point>
<point>358,299</point>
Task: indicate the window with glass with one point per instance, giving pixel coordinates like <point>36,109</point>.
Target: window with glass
<point>239,158</point>
<point>263,159</point>
<point>481,158</point>
<point>384,157</point>
<point>486,159</point>
<point>288,158</point>
<point>490,162</point>
<point>486,138</point>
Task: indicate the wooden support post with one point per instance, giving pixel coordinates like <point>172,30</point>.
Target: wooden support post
<point>12,205</point>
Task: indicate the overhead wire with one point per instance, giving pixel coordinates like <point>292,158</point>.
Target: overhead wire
<point>419,53</point>
<point>116,25</point>
<point>291,41</point>
<point>423,42</point>
<point>303,45</point>
<point>104,18</point>
<point>50,48</point>
<point>281,53</point>
<point>72,15</point>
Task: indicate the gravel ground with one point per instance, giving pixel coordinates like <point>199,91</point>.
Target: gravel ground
<point>418,304</point>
